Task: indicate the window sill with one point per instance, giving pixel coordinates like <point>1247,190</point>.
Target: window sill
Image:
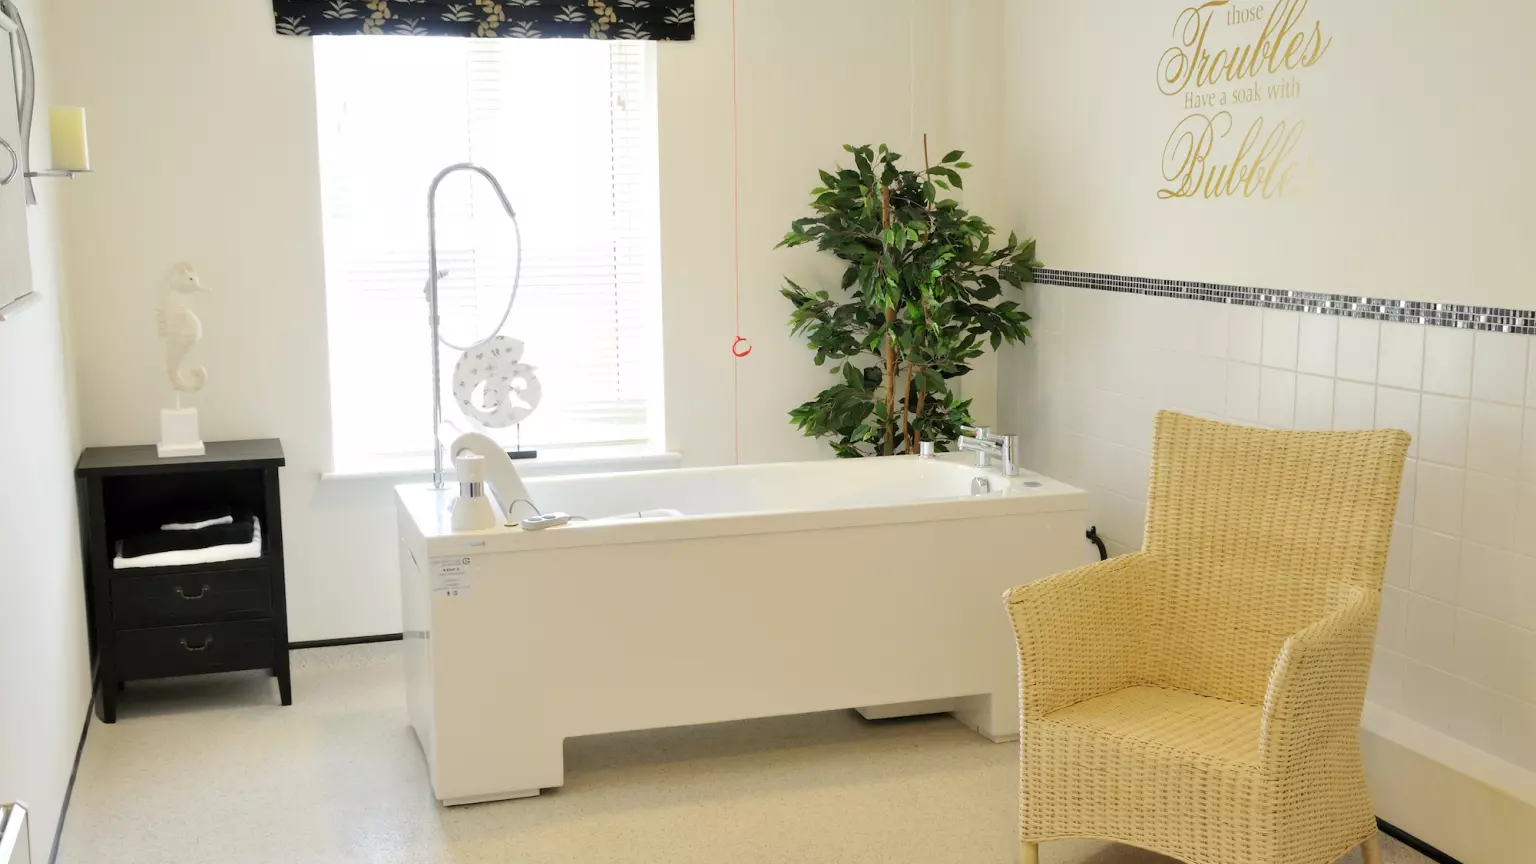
<point>555,464</point>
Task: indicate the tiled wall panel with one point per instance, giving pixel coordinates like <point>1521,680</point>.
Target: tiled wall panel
<point>1457,646</point>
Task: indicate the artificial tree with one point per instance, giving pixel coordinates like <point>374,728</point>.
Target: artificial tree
<point>915,308</point>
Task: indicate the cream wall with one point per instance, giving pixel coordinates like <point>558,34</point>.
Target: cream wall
<point>204,138</point>
<point>1416,116</point>
<point>45,674</point>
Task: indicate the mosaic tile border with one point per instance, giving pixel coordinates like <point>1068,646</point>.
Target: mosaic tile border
<point>1489,318</point>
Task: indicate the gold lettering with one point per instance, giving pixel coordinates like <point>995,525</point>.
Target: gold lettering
<point>1179,64</point>
<point>1261,166</point>
<point>1280,46</point>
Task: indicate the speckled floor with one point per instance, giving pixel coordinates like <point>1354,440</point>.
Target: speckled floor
<point>213,771</point>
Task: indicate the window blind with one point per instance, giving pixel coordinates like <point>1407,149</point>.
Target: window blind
<point>576,155</point>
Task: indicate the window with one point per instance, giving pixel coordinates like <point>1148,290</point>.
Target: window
<point>568,126</point>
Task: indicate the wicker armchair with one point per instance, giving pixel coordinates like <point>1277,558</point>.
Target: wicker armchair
<point>1202,698</point>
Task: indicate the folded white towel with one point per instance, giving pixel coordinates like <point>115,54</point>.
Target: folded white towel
<point>183,558</point>
<point>197,526</point>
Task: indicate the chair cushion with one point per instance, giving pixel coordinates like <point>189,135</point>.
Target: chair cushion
<point>1154,718</point>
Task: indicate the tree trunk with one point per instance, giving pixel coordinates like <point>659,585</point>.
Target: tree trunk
<point>906,416</point>
<point>890,341</point>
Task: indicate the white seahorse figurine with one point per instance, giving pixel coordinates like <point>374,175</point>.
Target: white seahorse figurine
<point>180,328</point>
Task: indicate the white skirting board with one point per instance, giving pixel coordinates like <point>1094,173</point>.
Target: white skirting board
<point>1472,806</point>
<point>15,845</point>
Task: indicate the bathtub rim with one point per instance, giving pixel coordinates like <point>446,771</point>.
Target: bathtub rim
<point>426,510</point>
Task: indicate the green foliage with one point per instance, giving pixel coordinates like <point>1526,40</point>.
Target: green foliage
<point>917,304</point>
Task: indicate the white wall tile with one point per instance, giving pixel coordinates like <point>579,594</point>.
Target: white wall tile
<point>1519,734</point>
<point>1438,498</point>
<point>1484,579</point>
<point>1476,715</point>
<point>1494,439</point>
<point>1530,380</point>
<point>1051,361</point>
<point>1245,334</point>
<point>1525,520</point>
<point>1436,560</point>
<point>1051,306</point>
<point>1389,672</point>
<point>1393,631</point>
<point>1133,417</point>
<point>1359,345</point>
<point>1318,347</point>
<point>1127,471</point>
<point>1277,398</point>
<point>1443,430</point>
<point>1402,356</point>
<point>1400,556</point>
<point>1499,367</point>
<point>1521,610</point>
<point>1428,695</point>
<point>1528,446</point>
<point>1063,453</point>
<point>1354,405</point>
<point>1314,401</point>
<point>1523,664</point>
<point>1488,510</point>
<point>1122,519</point>
<point>1281,334</point>
<point>1448,361</point>
<point>1407,493</point>
<point>1399,409</point>
<point>1096,462</point>
<point>1133,371</point>
<point>1097,412</point>
<point>1485,651</point>
<point>1383,689</point>
<point>1208,329</point>
<point>1431,631</point>
<point>1197,383</point>
<point>1243,382</point>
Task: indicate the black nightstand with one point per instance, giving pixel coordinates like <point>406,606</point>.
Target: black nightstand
<point>160,622</point>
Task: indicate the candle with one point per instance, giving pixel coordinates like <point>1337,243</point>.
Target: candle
<point>70,150</point>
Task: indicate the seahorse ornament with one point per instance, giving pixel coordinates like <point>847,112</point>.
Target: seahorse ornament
<point>181,329</point>
<point>493,386</point>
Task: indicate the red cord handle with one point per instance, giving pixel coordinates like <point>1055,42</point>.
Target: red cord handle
<point>738,350</point>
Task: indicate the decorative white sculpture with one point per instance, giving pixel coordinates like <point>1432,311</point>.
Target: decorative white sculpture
<point>494,388</point>
<point>180,329</point>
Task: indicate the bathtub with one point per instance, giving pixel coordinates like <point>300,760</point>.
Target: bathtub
<point>873,585</point>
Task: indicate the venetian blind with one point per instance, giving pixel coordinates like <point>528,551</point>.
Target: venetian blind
<point>576,154</point>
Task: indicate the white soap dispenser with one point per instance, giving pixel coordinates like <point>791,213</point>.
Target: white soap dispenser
<point>473,510</point>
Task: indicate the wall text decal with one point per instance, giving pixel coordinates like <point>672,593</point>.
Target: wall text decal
<point>1230,63</point>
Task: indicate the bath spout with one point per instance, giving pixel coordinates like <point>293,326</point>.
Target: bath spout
<point>500,473</point>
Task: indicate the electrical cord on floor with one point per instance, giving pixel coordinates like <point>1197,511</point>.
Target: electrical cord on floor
<point>1093,537</point>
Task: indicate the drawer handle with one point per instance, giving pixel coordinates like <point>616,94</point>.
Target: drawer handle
<point>208,640</point>
<point>198,596</point>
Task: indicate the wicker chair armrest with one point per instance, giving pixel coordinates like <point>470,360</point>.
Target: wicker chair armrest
<point>1077,632</point>
<point>1317,685</point>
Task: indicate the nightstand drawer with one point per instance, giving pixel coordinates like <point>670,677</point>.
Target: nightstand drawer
<point>164,652</point>
<point>191,598</point>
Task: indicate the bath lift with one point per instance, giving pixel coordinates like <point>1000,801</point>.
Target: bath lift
<point>491,384</point>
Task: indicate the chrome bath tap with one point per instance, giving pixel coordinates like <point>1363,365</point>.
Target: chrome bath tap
<point>988,445</point>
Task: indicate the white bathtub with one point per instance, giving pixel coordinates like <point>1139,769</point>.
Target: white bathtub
<point>785,589</point>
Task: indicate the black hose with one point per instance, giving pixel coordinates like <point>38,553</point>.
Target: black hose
<point>1093,537</point>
